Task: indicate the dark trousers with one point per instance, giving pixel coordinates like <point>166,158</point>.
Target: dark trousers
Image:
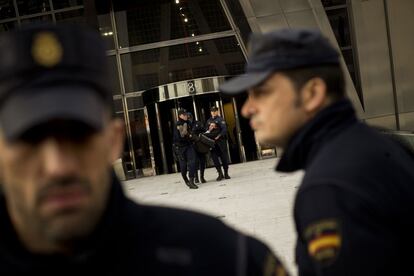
<point>186,159</point>
<point>220,152</point>
<point>200,162</point>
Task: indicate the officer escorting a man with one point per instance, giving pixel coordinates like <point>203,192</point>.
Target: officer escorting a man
<point>62,210</point>
<point>220,151</point>
<point>353,210</point>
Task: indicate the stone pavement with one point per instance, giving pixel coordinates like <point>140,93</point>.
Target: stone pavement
<point>257,201</point>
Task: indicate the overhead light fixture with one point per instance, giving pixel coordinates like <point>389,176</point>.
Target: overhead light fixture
<point>177,1</point>
<point>192,34</point>
<point>197,42</point>
<point>200,49</point>
<point>185,20</point>
<point>110,33</point>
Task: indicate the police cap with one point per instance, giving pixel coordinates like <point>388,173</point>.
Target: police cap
<point>182,111</point>
<point>52,72</point>
<point>281,50</point>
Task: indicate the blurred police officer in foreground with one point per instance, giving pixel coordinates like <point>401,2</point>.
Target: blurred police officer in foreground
<point>354,208</point>
<point>219,152</point>
<point>183,148</point>
<point>62,211</point>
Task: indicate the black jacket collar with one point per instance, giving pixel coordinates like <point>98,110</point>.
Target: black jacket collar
<point>319,130</point>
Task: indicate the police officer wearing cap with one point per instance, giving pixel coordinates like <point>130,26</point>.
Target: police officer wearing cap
<point>219,152</point>
<point>183,148</point>
<point>62,210</point>
<point>353,209</point>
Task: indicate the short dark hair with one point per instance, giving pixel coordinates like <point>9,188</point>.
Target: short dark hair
<point>332,75</point>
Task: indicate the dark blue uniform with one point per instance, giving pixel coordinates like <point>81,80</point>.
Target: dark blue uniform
<point>220,151</point>
<point>184,150</point>
<point>134,239</point>
<point>354,208</point>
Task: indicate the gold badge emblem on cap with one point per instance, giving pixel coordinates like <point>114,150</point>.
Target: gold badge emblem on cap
<point>46,49</point>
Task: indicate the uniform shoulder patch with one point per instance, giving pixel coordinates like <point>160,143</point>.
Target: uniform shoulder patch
<point>324,240</point>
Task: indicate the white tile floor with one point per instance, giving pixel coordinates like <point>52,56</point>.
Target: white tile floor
<point>257,200</point>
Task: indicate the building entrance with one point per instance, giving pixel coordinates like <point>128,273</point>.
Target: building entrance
<point>162,103</point>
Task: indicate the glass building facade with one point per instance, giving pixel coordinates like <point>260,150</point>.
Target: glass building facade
<point>165,55</point>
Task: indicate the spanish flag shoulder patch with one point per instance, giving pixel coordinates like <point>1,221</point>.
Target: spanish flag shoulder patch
<point>324,240</point>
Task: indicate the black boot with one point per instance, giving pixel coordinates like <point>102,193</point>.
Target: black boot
<point>196,180</point>
<point>220,174</point>
<point>202,177</point>
<point>226,174</point>
<point>191,184</point>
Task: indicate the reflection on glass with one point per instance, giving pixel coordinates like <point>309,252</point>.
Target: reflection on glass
<point>239,19</point>
<point>8,26</point>
<point>74,16</point>
<point>330,3</point>
<point>60,4</point>
<point>32,6</point>
<point>105,28</point>
<point>340,25</point>
<point>138,123</point>
<point>162,20</point>
<point>37,19</point>
<point>6,9</point>
<point>146,69</point>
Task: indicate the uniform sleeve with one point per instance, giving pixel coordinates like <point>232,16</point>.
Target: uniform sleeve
<point>223,128</point>
<point>261,261</point>
<point>337,234</point>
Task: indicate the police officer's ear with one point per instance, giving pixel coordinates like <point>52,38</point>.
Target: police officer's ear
<point>116,137</point>
<point>314,95</point>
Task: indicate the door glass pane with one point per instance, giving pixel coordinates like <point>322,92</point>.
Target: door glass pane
<point>159,20</point>
<point>138,123</point>
<point>146,69</point>
<point>7,9</point>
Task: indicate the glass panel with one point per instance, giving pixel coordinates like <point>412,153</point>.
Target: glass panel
<point>74,16</point>
<point>117,107</point>
<point>330,3</point>
<point>135,102</point>
<point>138,123</point>
<point>60,4</point>
<point>104,22</point>
<point>8,26</point>
<point>37,19</point>
<point>340,25</point>
<point>32,6</point>
<point>162,20</point>
<point>239,19</point>
<point>7,9</point>
<point>146,69</point>
<point>113,71</point>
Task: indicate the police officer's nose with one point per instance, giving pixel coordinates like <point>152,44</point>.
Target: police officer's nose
<point>248,109</point>
<point>57,158</point>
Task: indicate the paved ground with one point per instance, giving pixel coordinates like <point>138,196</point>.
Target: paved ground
<point>257,201</point>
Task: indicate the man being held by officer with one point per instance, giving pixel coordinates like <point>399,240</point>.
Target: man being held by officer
<point>219,152</point>
<point>62,210</point>
<point>183,148</point>
<point>353,210</point>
